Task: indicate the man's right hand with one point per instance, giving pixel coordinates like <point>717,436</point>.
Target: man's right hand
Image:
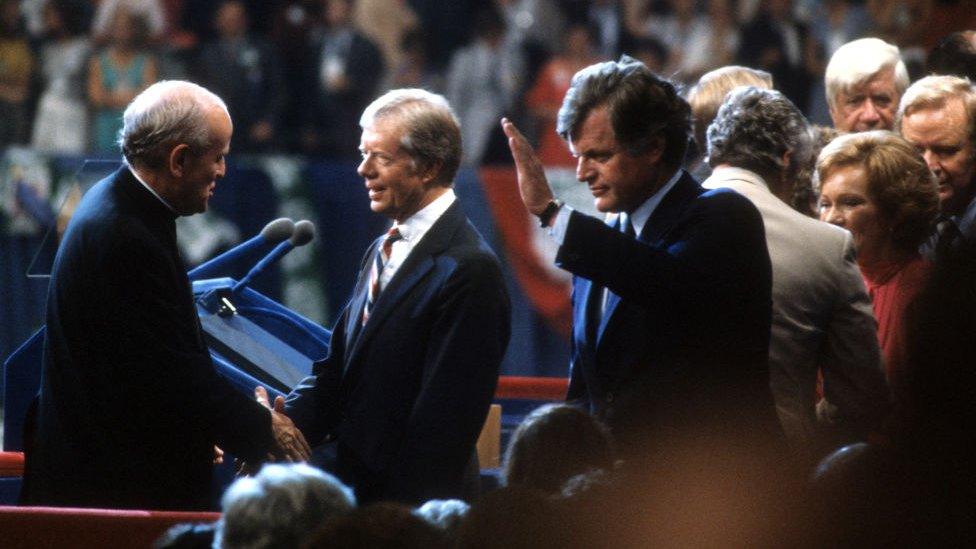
<point>290,444</point>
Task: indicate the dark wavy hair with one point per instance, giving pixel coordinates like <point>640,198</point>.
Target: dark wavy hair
<point>642,107</point>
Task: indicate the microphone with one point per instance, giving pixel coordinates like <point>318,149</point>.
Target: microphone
<point>272,233</point>
<point>304,233</point>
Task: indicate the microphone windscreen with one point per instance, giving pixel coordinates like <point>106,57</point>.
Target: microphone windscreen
<point>304,233</point>
<point>278,230</point>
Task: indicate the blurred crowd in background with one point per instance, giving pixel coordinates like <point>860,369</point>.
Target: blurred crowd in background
<point>297,73</point>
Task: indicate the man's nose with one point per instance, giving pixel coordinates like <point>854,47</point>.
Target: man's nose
<point>582,169</point>
<point>870,112</point>
<point>932,161</point>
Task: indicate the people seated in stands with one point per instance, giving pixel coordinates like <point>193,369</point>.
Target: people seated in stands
<point>936,115</point>
<point>877,186</point>
<point>531,460</point>
<point>116,75</point>
<point>282,506</point>
<point>864,81</point>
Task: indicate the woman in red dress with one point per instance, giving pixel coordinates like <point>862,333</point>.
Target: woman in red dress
<point>877,186</point>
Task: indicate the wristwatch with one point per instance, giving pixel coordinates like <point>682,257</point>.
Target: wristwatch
<point>552,208</point>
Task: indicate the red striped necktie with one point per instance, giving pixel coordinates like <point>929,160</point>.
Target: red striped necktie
<point>379,261</point>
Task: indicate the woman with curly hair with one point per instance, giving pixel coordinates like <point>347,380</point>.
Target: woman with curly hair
<point>877,186</point>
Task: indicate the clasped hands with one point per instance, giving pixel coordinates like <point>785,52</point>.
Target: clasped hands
<point>290,444</point>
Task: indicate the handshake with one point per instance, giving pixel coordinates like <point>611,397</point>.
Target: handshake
<point>289,443</point>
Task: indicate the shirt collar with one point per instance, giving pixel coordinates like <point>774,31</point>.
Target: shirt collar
<point>643,212</point>
<point>413,228</point>
<point>150,189</point>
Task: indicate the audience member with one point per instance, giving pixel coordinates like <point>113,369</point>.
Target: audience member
<point>61,120</point>
<point>484,82</point>
<point>774,41</point>
<point>706,97</point>
<point>938,116</point>
<point>16,66</point>
<point>546,95</point>
<point>414,70</point>
<point>805,190</point>
<point>151,11</point>
<point>386,23</point>
<point>955,55</point>
<point>583,442</point>
<point>245,71</point>
<point>379,526</point>
<point>187,536</point>
<point>446,514</point>
<point>605,17</point>
<point>842,22</point>
<point>876,185</point>
<point>864,81</point>
<point>280,507</point>
<point>821,313</point>
<point>344,73</point>
<point>514,516</point>
<point>116,76</point>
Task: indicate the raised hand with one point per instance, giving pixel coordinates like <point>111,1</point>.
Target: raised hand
<point>533,185</point>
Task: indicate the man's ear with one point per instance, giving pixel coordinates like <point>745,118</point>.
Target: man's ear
<point>429,173</point>
<point>178,157</point>
<point>655,150</point>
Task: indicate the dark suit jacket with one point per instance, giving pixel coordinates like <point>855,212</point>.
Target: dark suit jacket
<point>130,404</point>
<point>405,396</point>
<point>688,336</point>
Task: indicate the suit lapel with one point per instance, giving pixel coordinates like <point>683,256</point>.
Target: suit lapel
<point>417,265</point>
<point>670,209</point>
<point>355,316</point>
<point>655,233</point>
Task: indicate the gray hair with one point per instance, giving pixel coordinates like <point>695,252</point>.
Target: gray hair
<point>934,92</point>
<point>858,61</point>
<point>280,507</point>
<point>432,132</point>
<point>754,128</point>
<point>164,115</point>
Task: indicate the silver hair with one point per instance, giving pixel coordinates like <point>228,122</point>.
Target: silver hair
<point>432,133</point>
<point>858,61</point>
<point>164,115</point>
<point>754,128</point>
<point>280,507</point>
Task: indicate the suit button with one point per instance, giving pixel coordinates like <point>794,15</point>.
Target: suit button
<point>609,398</point>
<point>329,437</point>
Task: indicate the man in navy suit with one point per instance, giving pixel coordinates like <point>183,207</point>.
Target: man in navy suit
<point>130,405</point>
<point>671,296</point>
<point>398,403</point>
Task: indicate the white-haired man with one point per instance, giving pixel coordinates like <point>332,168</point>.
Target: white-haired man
<point>937,114</point>
<point>130,405</point>
<point>865,79</point>
<point>396,407</point>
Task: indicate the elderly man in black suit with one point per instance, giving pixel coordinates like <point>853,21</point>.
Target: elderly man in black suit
<point>398,403</point>
<point>130,405</point>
